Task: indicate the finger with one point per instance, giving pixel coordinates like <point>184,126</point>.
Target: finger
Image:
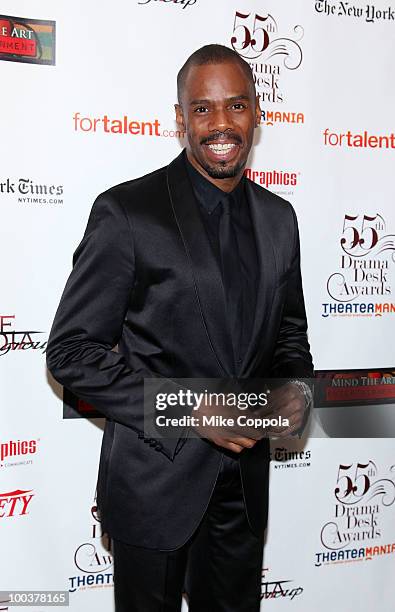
<point>234,447</point>
<point>242,441</point>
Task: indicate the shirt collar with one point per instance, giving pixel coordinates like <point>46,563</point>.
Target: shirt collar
<point>208,195</point>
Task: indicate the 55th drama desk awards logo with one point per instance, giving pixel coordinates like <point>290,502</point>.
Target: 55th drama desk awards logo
<point>362,283</point>
<point>355,532</point>
<point>256,37</point>
<point>27,40</point>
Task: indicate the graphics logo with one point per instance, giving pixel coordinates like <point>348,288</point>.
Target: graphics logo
<point>11,451</point>
<point>361,497</point>
<point>93,559</point>
<point>278,181</point>
<point>365,266</point>
<point>15,503</point>
<point>27,40</point>
<point>256,38</point>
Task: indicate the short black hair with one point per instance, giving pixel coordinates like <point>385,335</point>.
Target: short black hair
<point>211,54</point>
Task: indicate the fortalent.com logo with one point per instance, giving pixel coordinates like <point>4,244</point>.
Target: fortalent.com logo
<point>122,125</point>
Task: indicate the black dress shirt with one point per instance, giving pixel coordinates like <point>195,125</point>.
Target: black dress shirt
<point>209,198</point>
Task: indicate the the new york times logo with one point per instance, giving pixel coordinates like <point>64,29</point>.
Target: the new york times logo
<point>16,340</point>
<point>29,189</point>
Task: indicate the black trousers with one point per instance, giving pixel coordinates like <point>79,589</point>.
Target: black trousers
<point>219,568</point>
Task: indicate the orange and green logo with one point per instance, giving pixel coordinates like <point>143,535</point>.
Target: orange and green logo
<point>27,40</point>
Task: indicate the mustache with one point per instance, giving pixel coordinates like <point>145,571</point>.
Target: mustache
<point>229,135</point>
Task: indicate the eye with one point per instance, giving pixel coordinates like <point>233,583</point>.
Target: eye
<point>239,106</point>
<point>200,109</point>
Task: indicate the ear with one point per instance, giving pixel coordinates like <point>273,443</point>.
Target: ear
<point>179,116</point>
<point>258,112</point>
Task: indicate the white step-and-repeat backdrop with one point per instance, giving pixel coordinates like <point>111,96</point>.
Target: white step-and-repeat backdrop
<point>87,94</point>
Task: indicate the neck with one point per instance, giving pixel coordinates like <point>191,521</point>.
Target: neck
<point>225,184</point>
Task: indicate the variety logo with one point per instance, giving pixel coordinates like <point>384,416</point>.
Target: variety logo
<point>123,125</point>
<point>15,503</point>
<point>256,38</point>
<point>274,178</point>
<point>16,448</point>
<point>365,265</point>
<point>27,191</point>
<point>183,3</point>
<point>27,40</point>
<point>358,141</point>
<point>346,9</point>
<point>286,458</point>
<point>275,589</point>
<point>93,559</point>
<point>14,340</point>
<point>361,497</point>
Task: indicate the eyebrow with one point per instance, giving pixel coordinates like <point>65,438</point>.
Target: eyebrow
<point>232,99</point>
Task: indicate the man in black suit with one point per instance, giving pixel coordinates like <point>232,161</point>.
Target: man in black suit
<point>194,271</point>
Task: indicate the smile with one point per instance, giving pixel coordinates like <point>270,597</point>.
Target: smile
<point>221,148</point>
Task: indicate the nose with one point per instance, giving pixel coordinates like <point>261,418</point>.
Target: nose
<point>220,120</point>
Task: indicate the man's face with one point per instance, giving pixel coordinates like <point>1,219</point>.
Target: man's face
<point>219,111</point>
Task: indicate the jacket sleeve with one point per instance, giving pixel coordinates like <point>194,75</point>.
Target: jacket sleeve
<point>88,323</point>
<point>292,356</point>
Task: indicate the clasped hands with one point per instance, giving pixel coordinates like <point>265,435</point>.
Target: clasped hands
<point>285,403</point>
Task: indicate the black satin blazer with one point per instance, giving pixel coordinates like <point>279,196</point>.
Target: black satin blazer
<point>145,278</point>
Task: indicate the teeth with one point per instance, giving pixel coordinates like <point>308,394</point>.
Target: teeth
<point>221,148</point>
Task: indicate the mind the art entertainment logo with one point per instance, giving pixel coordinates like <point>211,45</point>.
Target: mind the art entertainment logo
<point>27,40</point>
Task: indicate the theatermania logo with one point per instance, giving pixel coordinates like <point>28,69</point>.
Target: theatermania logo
<point>362,496</point>
<point>270,55</point>
<point>362,284</point>
<point>369,12</point>
<point>18,340</point>
<point>27,40</point>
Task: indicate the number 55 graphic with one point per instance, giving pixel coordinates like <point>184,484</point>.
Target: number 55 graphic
<point>251,44</point>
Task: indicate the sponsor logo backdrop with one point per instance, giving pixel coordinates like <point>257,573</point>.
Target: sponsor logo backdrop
<point>88,99</point>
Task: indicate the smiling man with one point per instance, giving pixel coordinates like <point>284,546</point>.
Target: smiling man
<point>194,271</point>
